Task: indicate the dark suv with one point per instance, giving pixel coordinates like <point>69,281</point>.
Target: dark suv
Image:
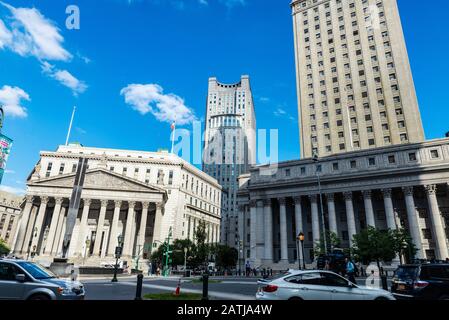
<point>421,282</point>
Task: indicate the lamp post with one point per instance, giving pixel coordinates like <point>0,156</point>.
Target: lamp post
<point>185,262</point>
<point>316,160</point>
<point>301,240</point>
<point>118,253</point>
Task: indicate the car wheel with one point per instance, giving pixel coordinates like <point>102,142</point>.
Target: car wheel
<point>445,297</point>
<point>295,299</point>
<point>381,299</point>
<point>39,297</point>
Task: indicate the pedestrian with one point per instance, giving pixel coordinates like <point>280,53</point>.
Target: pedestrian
<point>248,269</point>
<point>327,265</point>
<point>150,269</point>
<point>350,270</point>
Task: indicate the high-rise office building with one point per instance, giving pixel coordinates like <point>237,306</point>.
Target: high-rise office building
<point>230,146</point>
<point>354,81</point>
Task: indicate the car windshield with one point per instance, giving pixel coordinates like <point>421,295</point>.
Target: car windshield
<point>406,273</point>
<point>36,271</point>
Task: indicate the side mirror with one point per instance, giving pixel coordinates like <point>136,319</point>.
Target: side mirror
<point>20,278</point>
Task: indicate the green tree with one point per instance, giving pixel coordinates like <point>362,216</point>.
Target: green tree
<point>225,256</point>
<point>178,250</point>
<point>372,244</point>
<point>333,241</point>
<point>403,244</point>
<point>201,252</point>
<point>4,249</point>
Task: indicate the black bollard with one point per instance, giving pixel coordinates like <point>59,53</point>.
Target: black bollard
<point>139,287</point>
<point>205,287</point>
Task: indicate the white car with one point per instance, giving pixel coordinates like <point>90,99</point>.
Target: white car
<point>316,285</point>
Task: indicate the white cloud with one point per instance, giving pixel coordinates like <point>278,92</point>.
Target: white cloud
<point>65,78</point>
<point>279,112</point>
<point>14,190</point>
<point>264,99</point>
<point>9,171</point>
<point>5,35</point>
<point>150,98</point>
<point>34,34</point>
<point>11,99</point>
<point>80,130</point>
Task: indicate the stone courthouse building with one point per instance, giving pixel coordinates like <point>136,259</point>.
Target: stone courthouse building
<point>360,134</point>
<point>139,195</point>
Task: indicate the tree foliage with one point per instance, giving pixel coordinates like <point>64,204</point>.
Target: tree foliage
<point>372,244</point>
<point>333,241</point>
<point>4,249</point>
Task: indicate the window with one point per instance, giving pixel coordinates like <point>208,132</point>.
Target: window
<point>313,278</point>
<point>372,161</point>
<point>427,234</point>
<point>412,156</point>
<point>434,154</point>
<point>170,177</point>
<point>353,164</point>
<point>371,142</point>
<point>391,159</point>
<point>335,166</point>
<point>61,168</point>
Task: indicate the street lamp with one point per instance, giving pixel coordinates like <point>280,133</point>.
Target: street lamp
<point>185,262</point>
<point>317,160</point>
<point>118,253</point>
<point>301,240</point>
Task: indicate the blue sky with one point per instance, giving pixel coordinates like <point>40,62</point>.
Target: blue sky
<point>168,49</point>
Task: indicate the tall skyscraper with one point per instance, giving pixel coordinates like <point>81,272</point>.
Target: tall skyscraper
<point>354,82</point>
<point>230,146</point>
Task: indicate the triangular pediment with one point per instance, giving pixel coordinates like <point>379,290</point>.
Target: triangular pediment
<point>98,178</point>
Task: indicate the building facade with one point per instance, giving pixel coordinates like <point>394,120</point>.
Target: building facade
<point>230,145</point>
<point>9,216</point>
<point>354,81</point>
<point>139,195</point>
<point>404,186</point>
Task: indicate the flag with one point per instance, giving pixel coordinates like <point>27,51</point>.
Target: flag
<point>173,126</point>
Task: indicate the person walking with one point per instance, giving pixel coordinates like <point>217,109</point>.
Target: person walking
<point>350,270</point>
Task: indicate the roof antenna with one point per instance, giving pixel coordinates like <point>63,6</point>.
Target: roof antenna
<point>70,127</point>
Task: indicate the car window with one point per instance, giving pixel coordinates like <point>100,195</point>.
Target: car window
<point>36,270</point>
<point>8,272</point>
<point>406,273</point>
<point>333,280</point>
<point>312,278</point>
<point>435,272</point>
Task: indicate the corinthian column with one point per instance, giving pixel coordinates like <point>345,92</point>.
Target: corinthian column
<point>158,223</point>
<point>53,225</point>
<point>268,233</point>
<point>113,239</point>
<point>253,229</point>
<point>100,227</point>
<point>389,210</point>
<point>370,220</point>
<point>128,242</point>
<point>143,225</point>
<point>437,224</point>
<point>350,216</point>
<point>83,226</point>
<point>39,222</point>
<point>23,224</point>
<point>283,223</point>
<point>413,222</point>
<point>332,215</point>
<point>315,219</point>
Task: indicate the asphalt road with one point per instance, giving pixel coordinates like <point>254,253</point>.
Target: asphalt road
<point>230,288</point>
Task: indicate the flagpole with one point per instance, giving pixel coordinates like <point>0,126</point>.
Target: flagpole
<point>70,127</point>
